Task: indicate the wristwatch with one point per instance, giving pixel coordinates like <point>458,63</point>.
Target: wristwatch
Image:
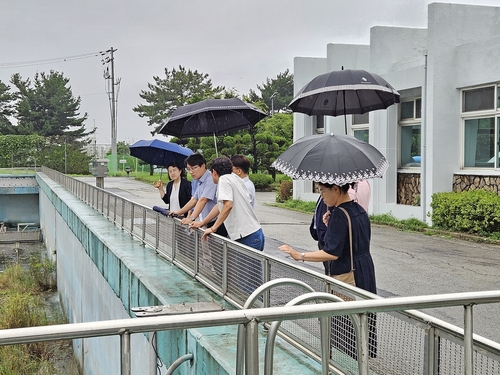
<point>302,256</point>
<point>192,218</point>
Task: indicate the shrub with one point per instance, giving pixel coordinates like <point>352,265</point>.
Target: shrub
<point>285,191</point>
<point>261,181</point>
<point>43,272</point>
<point>476,211</point>
<point>282,177</point>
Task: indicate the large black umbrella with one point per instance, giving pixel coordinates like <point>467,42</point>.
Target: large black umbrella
<point>212,117</point>
<point>332,159</point>
<point>160,153</point>
<point>344,92</point>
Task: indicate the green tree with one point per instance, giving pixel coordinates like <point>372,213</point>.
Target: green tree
<point>47,107</point>
<point>262,144</point>
<point>272,137</point>
<point>61,153</point>
<point>282,85</point>
<point>179,87</point>
<point>20,150</point>
<point>66,155</point>
<point>122,148</point>
<point>7,108</point>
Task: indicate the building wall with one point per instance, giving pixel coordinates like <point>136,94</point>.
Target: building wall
<point>460,48</point>
<point>305,69</point>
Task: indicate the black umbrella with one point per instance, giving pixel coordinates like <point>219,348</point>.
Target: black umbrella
<point>344,92</point>
<point>332,159</point>
<point>212,117</point>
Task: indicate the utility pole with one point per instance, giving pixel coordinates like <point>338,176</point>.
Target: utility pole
<point>110,75</point>
<point>113,114</point>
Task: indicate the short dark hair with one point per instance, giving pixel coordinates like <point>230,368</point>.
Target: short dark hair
<point>222,165</point>
<point>195,159</point>
<point>343,188</point>
<point>242,162</point>
<point>178,166</point>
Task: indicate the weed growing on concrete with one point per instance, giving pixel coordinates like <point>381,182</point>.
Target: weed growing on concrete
<point>22,305</point>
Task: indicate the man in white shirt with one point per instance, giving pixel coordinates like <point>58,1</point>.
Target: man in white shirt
<point>233,207</point>
<point>235,212</point>
<point>241,167</point>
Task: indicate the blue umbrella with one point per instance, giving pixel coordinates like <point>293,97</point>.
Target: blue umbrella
<point>159,152</point>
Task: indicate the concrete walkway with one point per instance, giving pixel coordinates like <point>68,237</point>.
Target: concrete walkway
<point>407,264</point>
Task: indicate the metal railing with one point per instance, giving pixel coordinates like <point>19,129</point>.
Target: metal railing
<point>402,342</point>
<point>250,317</point>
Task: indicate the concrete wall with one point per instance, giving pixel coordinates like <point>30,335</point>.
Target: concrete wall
<point>102,273</point>
<point>84,292</point>
<point>19,199</point>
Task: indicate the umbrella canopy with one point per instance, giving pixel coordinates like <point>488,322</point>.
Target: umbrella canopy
<point>212,117</point>
<point>332,159</point>
<point>159,152</point>
<point>344,92</point>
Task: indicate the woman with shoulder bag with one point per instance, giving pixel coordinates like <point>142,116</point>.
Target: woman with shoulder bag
<point>348,232</point>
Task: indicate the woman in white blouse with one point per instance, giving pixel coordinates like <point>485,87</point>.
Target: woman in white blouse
<point>178,191</point>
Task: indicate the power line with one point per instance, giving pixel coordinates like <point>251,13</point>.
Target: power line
<point>51,60</point>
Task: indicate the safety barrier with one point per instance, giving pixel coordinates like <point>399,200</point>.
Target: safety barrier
<point>399,342</point>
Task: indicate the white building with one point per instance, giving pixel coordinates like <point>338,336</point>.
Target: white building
<point>98,150</point>
<point>445,134</point>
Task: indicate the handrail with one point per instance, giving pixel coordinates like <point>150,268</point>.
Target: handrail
<point>273,331</point>
<point>178,362</point>
<point>240,343</point>
<point>247,316</point>
<point>182,251</point>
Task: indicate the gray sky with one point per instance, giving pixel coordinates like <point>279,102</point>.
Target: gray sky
<point>238,44</point>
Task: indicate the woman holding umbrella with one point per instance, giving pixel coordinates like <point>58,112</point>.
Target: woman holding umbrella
<point>337,244</point>
<point>178,189</point>
<point>337,250</point>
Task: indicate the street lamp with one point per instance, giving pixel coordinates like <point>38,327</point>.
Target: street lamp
<point>272,103</point>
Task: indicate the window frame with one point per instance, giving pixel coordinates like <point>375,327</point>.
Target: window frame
<point>319,119</point>
<point>365,126</point>
<point>406,123</point>
<point>479,115</point>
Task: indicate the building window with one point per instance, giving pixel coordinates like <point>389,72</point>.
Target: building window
<point>361,119</point>
<point>410,136</point>
<point>481,127</point>
<point>478,99</point>
<point>319,125</point>
<point>360,124</point>
<point>362,135</point>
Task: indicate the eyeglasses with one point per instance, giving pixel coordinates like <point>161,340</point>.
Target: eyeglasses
<point>322,191</point>
<point>191,169</point>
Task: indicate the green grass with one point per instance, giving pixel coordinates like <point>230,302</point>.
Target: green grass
<point>296,205</point>
<point>18,171</point>
<point>412,224</point>
<point>22,305</point>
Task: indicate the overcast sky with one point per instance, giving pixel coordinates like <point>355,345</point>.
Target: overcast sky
<point>237,43</point>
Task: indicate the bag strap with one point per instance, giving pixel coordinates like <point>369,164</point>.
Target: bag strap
<point>350,235</point>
